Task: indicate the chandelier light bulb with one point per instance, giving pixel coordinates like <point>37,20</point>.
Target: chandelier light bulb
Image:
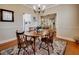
<point>43,8</point>
<point>34,7</point>
<point>39,5</point>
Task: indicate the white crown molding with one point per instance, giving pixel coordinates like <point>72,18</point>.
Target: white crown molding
<point>51,6</point>
<point>27,5</point>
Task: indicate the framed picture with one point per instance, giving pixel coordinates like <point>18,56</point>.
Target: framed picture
<point>6,15</point>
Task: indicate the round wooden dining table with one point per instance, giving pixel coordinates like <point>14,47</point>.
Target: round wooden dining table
<point>33,35</point>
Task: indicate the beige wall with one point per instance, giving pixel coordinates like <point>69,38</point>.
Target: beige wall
<point>67,20</point>
<point>7,29</point>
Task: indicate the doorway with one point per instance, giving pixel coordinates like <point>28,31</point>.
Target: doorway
<point>49,21</point>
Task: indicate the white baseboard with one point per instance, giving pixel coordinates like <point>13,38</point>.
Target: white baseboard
<point>66,38</point>
<point>7,40</point>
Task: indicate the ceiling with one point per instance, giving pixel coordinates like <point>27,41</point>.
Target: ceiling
<point>46,5</point>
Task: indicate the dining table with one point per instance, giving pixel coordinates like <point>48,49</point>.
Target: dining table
<point>33,35</point>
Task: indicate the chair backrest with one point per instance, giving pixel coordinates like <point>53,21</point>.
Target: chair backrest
<point>49,35</point>
<point>20,38</point>
<point>45,32</point>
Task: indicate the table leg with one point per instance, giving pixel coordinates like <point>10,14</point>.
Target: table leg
<point>34,46</point>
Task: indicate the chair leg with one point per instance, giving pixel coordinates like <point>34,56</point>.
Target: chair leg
<point>48,49</point>
<point>40,45</point>
<point>32,47</point>
<point>52,47</point>
<point>19,51</point>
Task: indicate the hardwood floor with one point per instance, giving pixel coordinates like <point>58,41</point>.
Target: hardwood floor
<point>8,44</point>
<point>71,49</point>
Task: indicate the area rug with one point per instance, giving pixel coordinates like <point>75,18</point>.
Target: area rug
<point>58,45</point>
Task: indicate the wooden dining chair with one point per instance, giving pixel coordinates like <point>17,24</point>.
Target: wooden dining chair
<point>47,38</point>
<point>22,41</point>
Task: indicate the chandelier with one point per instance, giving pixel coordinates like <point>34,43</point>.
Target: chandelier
<point>39,9</point>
